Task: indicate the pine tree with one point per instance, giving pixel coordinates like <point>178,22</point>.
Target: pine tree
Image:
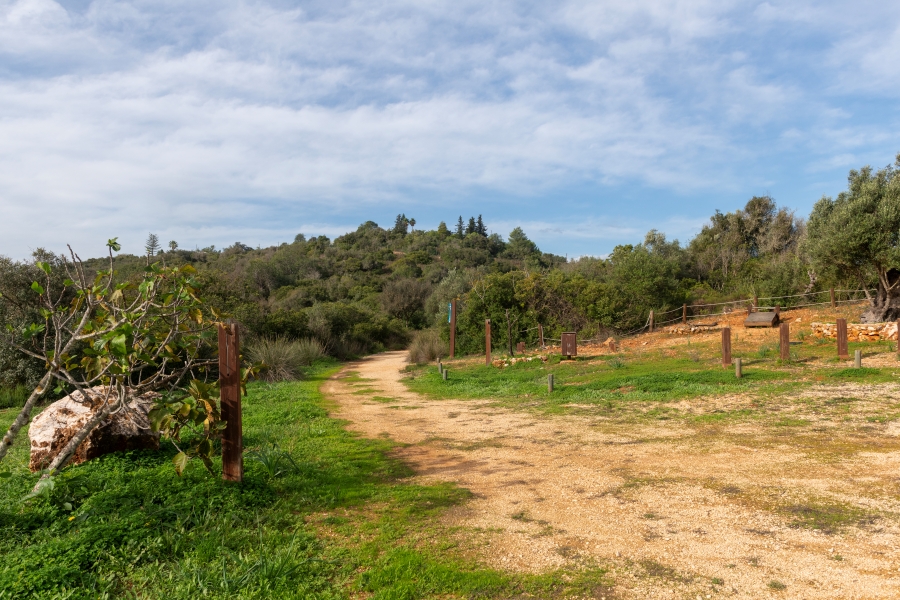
<point>479,226</point>
<point>442,229</point>
<point>151,246</point>
<point>460,228</point>
<point>470,228</point>
<point>401,224</point>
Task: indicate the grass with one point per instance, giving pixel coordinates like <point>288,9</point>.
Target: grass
<point>322,513</point>
<point>13,397</point>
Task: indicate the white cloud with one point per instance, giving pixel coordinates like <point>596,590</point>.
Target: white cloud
<point>225,117</point>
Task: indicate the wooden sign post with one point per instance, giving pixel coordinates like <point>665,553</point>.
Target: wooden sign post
<point>230,396</point>
<point>726,346</point>
<point>784,341</point>
<point>843,352</point>
<point>452,328</point>
<point>487,342</point>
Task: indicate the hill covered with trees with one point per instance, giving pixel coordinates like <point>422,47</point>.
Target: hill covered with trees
<point>374,287</point>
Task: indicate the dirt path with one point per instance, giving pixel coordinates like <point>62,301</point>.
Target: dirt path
<point>675,513</point>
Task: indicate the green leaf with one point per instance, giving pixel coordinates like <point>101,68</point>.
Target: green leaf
<point>43,267</point>
<point>37,287</point>
<point>205,447</point>
<point>114,244</point>
<point>180,461</point>
<point>118,345</point>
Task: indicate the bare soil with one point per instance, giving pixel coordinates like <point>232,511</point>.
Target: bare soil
<point>673,510</point>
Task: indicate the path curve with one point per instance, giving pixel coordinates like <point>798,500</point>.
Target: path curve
<point>656,504</point>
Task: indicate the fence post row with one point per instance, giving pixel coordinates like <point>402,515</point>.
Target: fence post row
<point>684,314</point>
<point>230,396</point>
<point>843,352</point>
<point>784,341</point>
<point>726,346</point>
<point>452,328</point>
<point>487,342</point>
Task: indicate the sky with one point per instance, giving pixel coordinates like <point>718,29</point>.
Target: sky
<point>587,123</point>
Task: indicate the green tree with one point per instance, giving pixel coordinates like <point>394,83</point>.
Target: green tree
<point>518,245</point>
<point>859,233</point>
<point>151,246</point>
<point>460,228</point>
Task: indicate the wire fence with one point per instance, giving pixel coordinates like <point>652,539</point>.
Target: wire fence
<point>729,308</point>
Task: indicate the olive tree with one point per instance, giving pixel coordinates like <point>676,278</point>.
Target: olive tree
<point>858,234</point>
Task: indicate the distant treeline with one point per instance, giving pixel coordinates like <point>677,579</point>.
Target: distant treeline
<point>372,288</point>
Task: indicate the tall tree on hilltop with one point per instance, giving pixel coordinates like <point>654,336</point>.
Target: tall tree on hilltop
<point>479,226</point>
<point>401,224</point>
<point>470,228</point>
<point>151,246</point>
<point>460,227</point>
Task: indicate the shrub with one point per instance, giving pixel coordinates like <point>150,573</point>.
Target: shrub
<point>14,397</point>
<point>427,346</point>
<point>283,359</point>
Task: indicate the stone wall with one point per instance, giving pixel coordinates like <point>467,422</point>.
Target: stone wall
<point>858,332</point>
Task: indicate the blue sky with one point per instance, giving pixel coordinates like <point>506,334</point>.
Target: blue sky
<point>586,123</point>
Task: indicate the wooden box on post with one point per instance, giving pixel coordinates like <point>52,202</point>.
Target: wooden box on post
<point>843,352</point>
<point>726,346</point>
<point>230,395</point>
<point>784,341</point>
<point>568,345</point>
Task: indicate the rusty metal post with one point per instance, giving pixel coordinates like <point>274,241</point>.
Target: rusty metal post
<point>651,321</point>
<point>684,314</point>
<point>833,305</point>
<point>842,350</point>
<point>726,346</point>
<point>784,341</point>
<point>230,396</point>
<point>487,342</point>
<point>452,328</point>
<point>541,334</point>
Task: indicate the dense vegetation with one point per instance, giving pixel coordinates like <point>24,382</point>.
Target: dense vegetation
<point>372,288</point>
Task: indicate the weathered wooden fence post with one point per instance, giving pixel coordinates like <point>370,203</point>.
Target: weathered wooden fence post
<point>843,352</point>
<point>684,314</point>
<point>651,321</point>
<point>778,312</point>
<point>857,359</point>
<point>737,368</point>
<point>726,346</point>
<point>833,305</point>
<point>784,341</point>
<point>550,382</point>
<point>230,397</point>
<point>487,342</point>
<point>541,334</point>
<point>452,328</point>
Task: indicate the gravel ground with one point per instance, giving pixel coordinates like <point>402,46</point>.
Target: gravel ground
<point>674,511</point>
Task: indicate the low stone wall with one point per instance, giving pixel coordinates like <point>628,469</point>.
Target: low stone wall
<point>858,332</point>
<point>686,329</point>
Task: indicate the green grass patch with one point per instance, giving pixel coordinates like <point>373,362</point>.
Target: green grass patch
<point>14,397</point>
<point>339,520</point>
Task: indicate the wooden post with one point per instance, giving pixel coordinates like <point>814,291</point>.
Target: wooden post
<point>444,374</point>
<point>230,395</point>
<point>651,321</point>
<point>452,328</point>
<point>541,334</point>
<point>857,359</point>
<point>843,352</point>
<point>737,368</point>
<point>550,382</point>
<point>784,341</point>
<point>777,313</point>
<point>487,342</point>
<point>684,313</point>
<point>726,346</point>
<point>833,305</point>
<point>898,339</point>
